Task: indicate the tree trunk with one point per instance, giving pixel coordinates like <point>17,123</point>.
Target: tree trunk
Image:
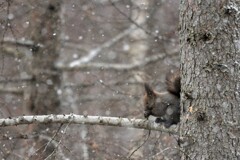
<point>137,52</point>
<point>210,64</point>
<point>46,77</point>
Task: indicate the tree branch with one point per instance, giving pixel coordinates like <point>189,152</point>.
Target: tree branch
<point>94,52</point>
<point>21,42</point>
<point>81,119</point>
<point>118,67</point>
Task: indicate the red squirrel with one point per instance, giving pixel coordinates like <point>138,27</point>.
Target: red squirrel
<point>164,105</point>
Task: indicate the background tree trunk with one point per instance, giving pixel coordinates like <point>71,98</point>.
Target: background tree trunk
<point>46,31</point>
<point>210,57</point>
<point>46,78</point>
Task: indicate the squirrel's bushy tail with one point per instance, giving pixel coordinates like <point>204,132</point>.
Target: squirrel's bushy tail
<point>173,82</point>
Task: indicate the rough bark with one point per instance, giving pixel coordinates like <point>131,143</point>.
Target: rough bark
<point>210,63</point>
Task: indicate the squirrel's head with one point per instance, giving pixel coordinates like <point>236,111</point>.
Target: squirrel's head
<point>153,99</point>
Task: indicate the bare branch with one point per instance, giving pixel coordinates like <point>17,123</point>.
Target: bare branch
<point>118,67</point>
<point>10,51</point>
<point>56,144</point>
<point>81,119</point>
<point>131,20</point>
<point>21,42</point>
<point>10,89</point>
<point>94,52</point>
<point>117,97</point>
<point>17,80</point>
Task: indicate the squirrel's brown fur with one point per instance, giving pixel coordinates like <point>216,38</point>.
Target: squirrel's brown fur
<point>164,105</point>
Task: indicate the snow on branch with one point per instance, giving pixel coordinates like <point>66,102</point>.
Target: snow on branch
<point>81,119</point>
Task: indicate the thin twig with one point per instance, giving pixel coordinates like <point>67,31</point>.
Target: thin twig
<point>149,132</point>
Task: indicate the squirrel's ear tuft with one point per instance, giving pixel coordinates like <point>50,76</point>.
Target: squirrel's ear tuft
<point>149,90</point>
<point>149,100</point>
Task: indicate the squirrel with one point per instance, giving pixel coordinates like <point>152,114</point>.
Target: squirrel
<point>164,105</point>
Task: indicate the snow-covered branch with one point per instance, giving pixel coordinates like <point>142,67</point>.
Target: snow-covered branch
<point>81,119</point>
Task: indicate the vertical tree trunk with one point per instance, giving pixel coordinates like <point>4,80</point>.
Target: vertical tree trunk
<point>47,80</point>
<point>138,46</point>
<point>137,51</point>
<point>210,57</point>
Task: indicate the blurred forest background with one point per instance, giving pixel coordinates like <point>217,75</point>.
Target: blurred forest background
<point>86,57</point>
